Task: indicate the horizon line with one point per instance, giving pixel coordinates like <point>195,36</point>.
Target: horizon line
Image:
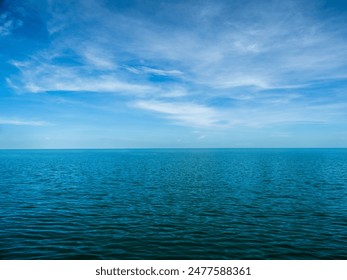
<point>172,148</point>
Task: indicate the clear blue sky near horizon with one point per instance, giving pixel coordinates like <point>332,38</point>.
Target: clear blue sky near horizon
<point>157,74</point>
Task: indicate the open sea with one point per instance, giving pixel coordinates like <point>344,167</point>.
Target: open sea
<point>173,204</point>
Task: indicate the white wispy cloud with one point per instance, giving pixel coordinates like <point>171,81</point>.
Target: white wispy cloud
<point>265,113</point>
<point>98,58</point>
<point>155,71</point>
<point>38,77</point>
<point>161,72</point>
<point>283,48</point>
<point>21,122</point>
<point>260,56</point>
<point>8,24</point>
<point>183,113</point>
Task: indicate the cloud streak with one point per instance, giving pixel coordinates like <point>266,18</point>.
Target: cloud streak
<point>183,113</point>
<point>18,122</point>
<point>36,77</point>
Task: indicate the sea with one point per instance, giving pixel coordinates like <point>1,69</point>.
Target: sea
<point>173,204</point>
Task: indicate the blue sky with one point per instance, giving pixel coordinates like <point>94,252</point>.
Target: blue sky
<point>138,74</point>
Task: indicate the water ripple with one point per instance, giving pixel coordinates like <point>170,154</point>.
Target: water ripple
<point>174,204</point>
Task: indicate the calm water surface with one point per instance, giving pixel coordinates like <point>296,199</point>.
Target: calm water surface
<point>173,204</point>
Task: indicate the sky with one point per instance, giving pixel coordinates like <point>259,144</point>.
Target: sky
<point>173,74</point>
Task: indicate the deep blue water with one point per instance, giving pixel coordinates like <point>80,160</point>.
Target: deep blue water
<point>173,204</point>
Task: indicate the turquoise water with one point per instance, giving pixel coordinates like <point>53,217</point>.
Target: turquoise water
<point>173,204</point>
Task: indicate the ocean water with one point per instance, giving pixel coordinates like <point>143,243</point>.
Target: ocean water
<point>173,204</point>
